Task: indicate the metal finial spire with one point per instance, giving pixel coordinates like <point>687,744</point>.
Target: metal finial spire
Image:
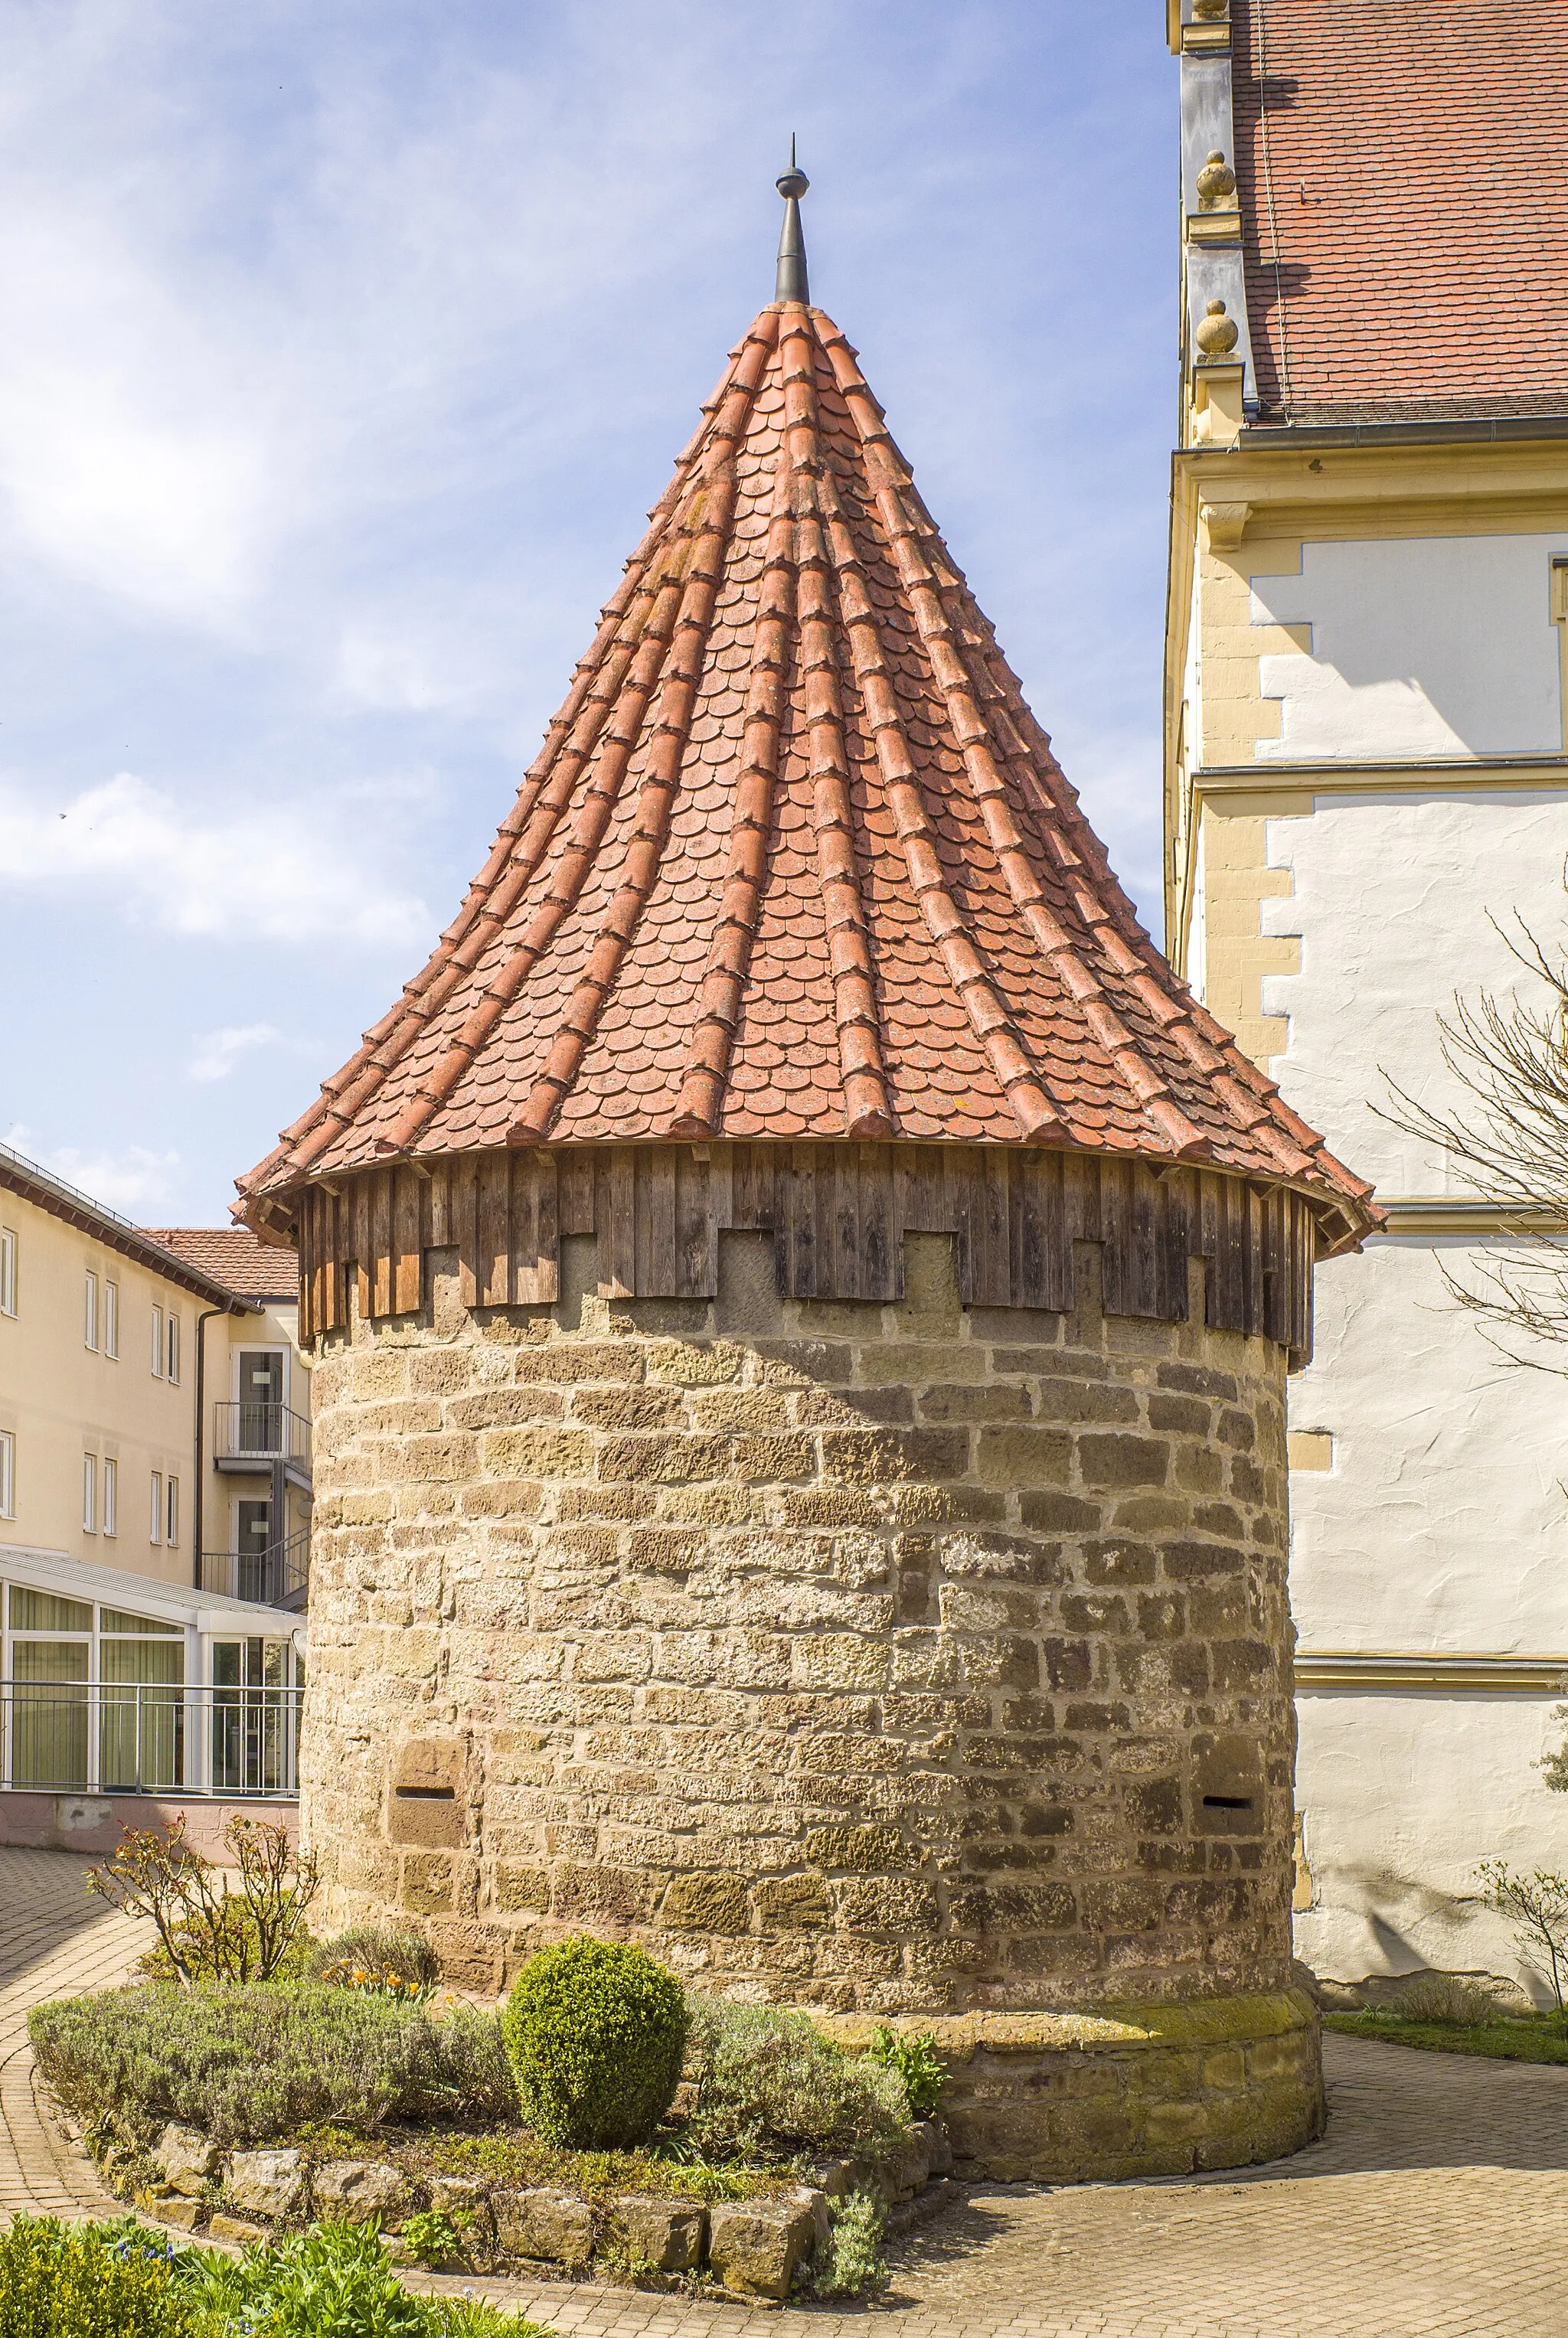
<point>790,284</point>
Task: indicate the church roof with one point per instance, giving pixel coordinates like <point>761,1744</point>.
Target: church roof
<point>1404,188</point>
<point>796,861</point>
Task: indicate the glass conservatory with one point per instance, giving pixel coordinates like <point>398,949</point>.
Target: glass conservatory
<point>117,1683</point>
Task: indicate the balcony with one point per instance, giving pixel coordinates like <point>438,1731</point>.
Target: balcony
<point>276,1576</point>
<point>117,1739</point>
<point>253,1436</point>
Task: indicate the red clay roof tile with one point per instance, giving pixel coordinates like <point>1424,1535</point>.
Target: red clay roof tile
<point>795,860</point>
<point>1404,186</point>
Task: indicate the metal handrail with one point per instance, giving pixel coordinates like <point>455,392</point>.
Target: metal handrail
<point>256,1428</point>
<point>149,1738</point>
<point>275,1576</point>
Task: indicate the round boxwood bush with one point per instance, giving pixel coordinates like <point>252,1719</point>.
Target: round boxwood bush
<point>597,2031</point>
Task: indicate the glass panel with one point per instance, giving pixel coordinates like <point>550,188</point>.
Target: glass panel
<point>260,1400</point>
<point>254,1718</point>
<point>141,1713</point>
<point>40,1611</point>
<point>114,1619</point>
<point>153,1662</point>
<point>49,1712</point>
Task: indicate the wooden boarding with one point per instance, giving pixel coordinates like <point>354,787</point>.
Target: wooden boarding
<point>838,1214</point>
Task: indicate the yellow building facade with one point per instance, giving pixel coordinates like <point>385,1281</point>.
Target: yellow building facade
<point>1366,789</point>
<point>154,1506</point>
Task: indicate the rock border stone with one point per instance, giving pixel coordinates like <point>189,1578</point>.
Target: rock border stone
<point>752,2249</point>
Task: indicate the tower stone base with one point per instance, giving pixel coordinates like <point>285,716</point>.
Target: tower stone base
<point>906,1661</point>
<point>1132,2090</point>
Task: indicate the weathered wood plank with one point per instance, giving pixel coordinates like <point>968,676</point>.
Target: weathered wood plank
<point>1114,1231</point>
<point>991,1200</point>
<point>381,1243</point>
<point>408,1252</point>
<point>465,1229</point>
<point>493,1242</point>
<point>577,1190</point>
<point>800,1230</point>
<point>696,1238</point>
<point>658,1272</point>
<point>874,1195</point>
<point>846,1263</point>
<point>618,1227</point>
<point>535,1251</point>
<point>840,1214</point>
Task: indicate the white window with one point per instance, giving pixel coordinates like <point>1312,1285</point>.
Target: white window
<point>111,1497</point>
<point>8,1272</point>
<point>171,1510</point>
<point>157,1343</point>
<point>7,1474</point>
<point>155,1522</point>
<point>172,1346</point>
<point>90,1311</point>
<point>89,1493</point>
<point>111,1320</point>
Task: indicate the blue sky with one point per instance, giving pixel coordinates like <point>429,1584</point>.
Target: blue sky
<point>345,345</point>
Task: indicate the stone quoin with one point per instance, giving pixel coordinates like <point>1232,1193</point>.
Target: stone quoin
<point>801,1299</point>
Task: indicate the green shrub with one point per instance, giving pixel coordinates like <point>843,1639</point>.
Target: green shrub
<point>87,2280</point>
<point>765,2082</point>
<point>211,1951</point>
<point>1445,1998</point>
<point>852,2264</point>
<point>122,2281</point>
<point>596,2031</point>
<point>333,2280</point>
<point>431,2238</point>
<point>917,2063</point>
<point>206,1929</point>
<point>375,1950</point>
<point>248,2064</point>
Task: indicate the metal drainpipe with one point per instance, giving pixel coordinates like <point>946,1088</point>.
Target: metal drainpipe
<point>201,1322</point>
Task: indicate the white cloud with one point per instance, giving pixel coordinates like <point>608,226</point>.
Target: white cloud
<point>134,1181</point>
<point>215,1054</point>
<point>254,876</point>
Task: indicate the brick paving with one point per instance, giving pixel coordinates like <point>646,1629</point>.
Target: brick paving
<point>1432,2209</point>
<point>54,1942</point>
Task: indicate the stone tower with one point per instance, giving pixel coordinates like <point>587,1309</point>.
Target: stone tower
<point>802,1298</point>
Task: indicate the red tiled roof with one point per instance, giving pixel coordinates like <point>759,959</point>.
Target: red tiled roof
<point>232,1256</point>
<point>795,861</point>
<point>1403,181</point>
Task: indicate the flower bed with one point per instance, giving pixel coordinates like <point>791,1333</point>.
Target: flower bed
<point>247,2112</point>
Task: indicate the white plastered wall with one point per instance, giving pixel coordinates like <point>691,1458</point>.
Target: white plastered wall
<point>1394,895</point>
<point>1421,646</point>
<point>1443,1523</point>
<point>1399,1795</point>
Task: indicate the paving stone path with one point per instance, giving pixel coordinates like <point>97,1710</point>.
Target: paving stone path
<point>1434,2208</point>
<point>54,1942</point>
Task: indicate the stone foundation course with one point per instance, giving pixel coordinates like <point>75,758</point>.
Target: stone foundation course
<point>1143,2090</point>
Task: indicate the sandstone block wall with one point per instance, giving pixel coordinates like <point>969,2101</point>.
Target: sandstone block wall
<point>888,1657</point>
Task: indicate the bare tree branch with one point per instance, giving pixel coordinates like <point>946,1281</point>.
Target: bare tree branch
<point>1509,1143</point>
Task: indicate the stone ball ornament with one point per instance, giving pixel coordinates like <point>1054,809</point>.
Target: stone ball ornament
<point>1217,334</point>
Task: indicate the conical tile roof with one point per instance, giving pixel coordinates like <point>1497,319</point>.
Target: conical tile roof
<point>796,861</point>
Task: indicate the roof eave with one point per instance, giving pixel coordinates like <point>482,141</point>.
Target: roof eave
<point>116,1234</point>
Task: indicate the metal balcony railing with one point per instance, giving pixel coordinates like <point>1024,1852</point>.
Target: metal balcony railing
<point>275,1577</point>
<point>64,1737</point>
<point>255,1430</point>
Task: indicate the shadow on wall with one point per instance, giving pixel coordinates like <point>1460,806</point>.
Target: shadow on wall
<point>1370,1893</point>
